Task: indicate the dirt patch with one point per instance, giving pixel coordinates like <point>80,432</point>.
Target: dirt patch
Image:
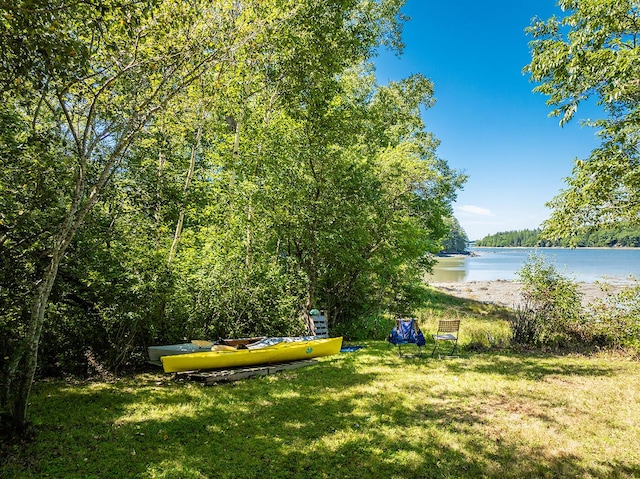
<point>507,293</point>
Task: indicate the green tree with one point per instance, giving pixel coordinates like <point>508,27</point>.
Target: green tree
<point>456,239</point>
<point>134,61</point>
<point>136,146</point>
<point>526,238</point>
<point>552,309</point>
<point>204,167</point>
<point>593,52</point>
<point>290,186</point>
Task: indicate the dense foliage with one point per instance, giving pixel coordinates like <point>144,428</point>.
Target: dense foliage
<point>552,314</point>
<point>551,305</point>
<point>528,238</point>
<point>456,240</point>
<point>592,54</point>
<point>614,321</point>
<point>618,237</point>
<point>171,170</point>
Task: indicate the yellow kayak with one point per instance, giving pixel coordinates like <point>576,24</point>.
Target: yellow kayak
<point>276,353</point>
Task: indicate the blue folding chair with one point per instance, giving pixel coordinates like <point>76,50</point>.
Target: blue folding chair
<point>407,331</point>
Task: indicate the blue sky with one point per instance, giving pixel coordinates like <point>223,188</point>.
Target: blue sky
<point>490,123</point>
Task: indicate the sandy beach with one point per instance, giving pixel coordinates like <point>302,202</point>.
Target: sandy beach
<point>507,293</point>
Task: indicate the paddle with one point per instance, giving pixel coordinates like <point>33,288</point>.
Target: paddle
<point>201,343</point>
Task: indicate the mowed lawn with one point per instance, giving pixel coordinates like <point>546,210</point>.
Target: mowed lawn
<point>365,414</point>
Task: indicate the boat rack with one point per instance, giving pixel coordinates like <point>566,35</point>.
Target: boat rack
<point>216,376</point>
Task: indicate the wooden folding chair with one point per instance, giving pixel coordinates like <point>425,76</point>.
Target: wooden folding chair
<point>447,331</point>
<point>320,325</point>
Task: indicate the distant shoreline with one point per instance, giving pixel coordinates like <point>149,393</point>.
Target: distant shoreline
<point>466,254</point>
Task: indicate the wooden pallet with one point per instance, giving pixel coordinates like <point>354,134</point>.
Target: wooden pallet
<point>236,374</point>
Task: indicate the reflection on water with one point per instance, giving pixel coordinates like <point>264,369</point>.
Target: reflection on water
<point>449,270</point>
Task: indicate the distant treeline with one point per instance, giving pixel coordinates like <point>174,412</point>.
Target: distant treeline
<point>627,237</point>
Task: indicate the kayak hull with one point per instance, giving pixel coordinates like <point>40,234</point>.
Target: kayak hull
<point>278,353</point>
<point>156,352</point>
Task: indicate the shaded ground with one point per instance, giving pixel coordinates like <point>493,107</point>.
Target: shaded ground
<point>507,293</point>
<point>367,414</point>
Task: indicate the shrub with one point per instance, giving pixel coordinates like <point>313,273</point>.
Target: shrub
<point>552,311</point>
<point>614,321</point>
<point>525,325</point>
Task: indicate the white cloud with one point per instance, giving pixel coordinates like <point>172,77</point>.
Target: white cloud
<point>474,210</point>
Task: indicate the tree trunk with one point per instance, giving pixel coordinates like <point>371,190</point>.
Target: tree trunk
<point>190,173</point>
<point>29,351</point>
<point>311,291</point>
<point>27,355</point>
<point>25,359</point>
<point>249,235</point>
<point>157,210</point>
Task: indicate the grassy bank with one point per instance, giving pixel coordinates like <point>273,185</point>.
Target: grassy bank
<point>363,414</point>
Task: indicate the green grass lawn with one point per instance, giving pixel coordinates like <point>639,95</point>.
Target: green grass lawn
<point>364,414</point>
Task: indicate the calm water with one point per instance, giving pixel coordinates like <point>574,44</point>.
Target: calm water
<point>584,264</point>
